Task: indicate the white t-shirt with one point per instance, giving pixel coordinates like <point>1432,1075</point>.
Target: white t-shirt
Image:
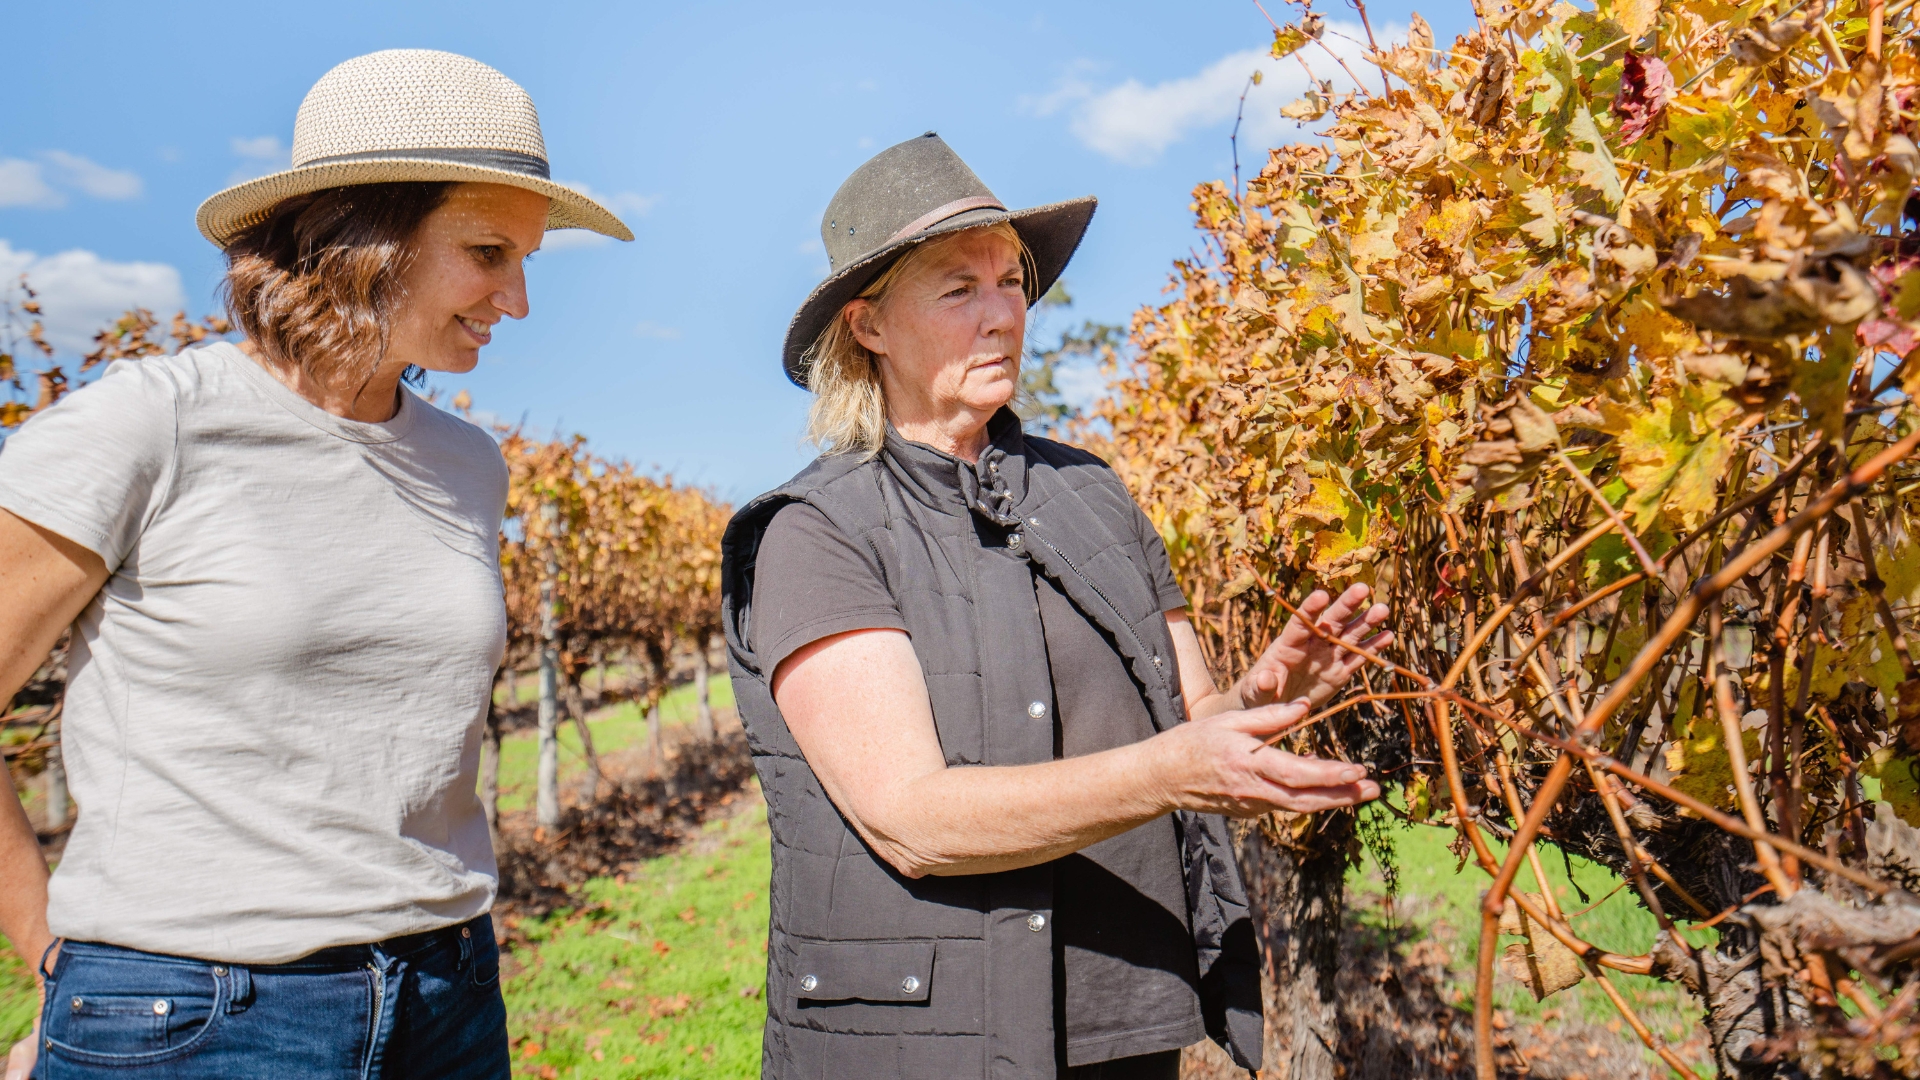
<point>274,706</point>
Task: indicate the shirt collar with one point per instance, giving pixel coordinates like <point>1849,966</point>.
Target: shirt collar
<point>992,486</point>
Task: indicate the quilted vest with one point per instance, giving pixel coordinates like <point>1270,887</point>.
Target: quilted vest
<point>869,973</point>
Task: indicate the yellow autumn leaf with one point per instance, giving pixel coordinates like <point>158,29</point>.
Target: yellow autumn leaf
<point>1375,242</point>
<point>1671,467</point>
<point>1822,384</point>
<point>1450,226</point>
<point>1590,159</point>
<point>1654,334</point>
<point>1899,784</point>
<point>1636,17</point>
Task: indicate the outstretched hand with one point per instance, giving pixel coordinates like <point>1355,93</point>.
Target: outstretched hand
<point>1300,664</point>
<point>1221,764</point>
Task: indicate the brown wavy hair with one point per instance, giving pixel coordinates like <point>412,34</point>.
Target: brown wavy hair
<point>316,283</point>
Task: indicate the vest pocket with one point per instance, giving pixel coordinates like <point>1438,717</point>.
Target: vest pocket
<point>878,972</point>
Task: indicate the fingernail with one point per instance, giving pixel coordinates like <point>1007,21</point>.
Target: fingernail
<point>1351,776</point>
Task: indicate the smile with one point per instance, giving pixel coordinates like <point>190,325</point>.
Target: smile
<point>478,329</point>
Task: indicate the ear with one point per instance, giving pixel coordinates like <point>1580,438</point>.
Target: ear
<point>862,320</point>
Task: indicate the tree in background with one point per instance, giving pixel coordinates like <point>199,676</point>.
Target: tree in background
<point>1039,401</point>
<point>27,367</point>
<point>1588,341</point>
<point>600,561</point>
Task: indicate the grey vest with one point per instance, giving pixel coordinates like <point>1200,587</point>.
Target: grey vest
<point>872,974</point>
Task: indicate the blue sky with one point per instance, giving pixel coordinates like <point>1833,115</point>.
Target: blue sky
<point>718,131</point>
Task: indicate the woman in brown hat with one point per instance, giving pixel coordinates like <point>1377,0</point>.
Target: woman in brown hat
<point>993,756</point>
<point>281,571</point>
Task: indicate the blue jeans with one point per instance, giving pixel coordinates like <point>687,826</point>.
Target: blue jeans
<point>419,1007</point>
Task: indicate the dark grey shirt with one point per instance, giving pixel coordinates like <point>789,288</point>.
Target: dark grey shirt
<point>1126,976</point>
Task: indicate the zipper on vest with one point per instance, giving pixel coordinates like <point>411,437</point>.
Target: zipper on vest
<point>1111,606</point>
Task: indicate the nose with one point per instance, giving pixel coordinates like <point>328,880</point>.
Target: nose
<point>511,298</point>
<point>1005,313</point>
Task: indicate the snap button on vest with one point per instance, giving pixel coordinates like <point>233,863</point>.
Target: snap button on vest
<point>1036,922</point>
<point>909,984</point>
<point>1013,540</point>
<point>1037,710</point>
<point>809,983</point>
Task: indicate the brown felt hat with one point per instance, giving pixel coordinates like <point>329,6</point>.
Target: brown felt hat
<point>903,196</point>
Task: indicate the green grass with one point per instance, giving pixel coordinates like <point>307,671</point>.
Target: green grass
<point>620,728</point>
<point>18,1002</point>
<point>1445,905</point>
<point>658,976</point>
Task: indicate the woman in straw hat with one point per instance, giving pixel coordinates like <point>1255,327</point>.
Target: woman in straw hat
<point>281,570</point>
<point>993,757</point>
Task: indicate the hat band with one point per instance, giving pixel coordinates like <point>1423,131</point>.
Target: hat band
<point>504,160</point>
<point>934,217</point>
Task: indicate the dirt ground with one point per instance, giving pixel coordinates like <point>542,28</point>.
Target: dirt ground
<point>648,805</point>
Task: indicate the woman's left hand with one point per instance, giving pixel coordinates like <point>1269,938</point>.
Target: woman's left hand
<point>1301,664</point>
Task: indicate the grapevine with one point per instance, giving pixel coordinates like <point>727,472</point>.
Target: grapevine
<point>1588,343</point>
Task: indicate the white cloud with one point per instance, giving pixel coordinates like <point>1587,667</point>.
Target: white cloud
<point>629,203</point>
<point>39,183</point>
<point>82,292</point>
<point>23,183</point>
<point>93,178</point>
<point>656,331</point>
<point>570,239</point>
<point>1134,123</point>
<point>259,155</point>
<point>1080,385</point>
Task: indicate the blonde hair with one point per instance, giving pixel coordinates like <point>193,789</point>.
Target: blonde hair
<point>849,412</point>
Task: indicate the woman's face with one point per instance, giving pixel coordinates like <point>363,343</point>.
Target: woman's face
<point>949,335</point>
<point>467,274</point>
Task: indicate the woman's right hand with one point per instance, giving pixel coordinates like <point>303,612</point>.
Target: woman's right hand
<point>1221,765</point>
<point>20,1060</point>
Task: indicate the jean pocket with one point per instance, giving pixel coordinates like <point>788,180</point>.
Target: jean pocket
<point>130,1010</point>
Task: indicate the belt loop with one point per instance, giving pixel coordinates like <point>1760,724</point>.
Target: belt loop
<point>464,934</point>
<point>51,946</point>
<point>240,982</point>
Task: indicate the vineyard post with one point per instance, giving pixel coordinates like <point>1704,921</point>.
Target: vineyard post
<point>653,728</point>
<point>657,684</point>
<point>548,798</point>
<point>700,686</point>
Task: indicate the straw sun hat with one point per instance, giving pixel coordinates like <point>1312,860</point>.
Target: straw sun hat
<point>410,114</point>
